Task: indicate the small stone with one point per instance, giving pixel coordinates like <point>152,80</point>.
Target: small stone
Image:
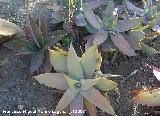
<point>20,107</point>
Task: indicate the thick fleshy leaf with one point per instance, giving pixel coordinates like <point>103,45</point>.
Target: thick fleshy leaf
<point>150,98</point>
<point>79,19</point>
<point>156,71</point>
<point>54,80</point>
<point>104,84</point>
<point>74,66</point>
<point>76,105</point>
<point>43,24</point>
<point>92,4</point>
<point>54,6</point>
<point>123,45</point>
<point>89,61</point>
<point>134,9</point>
<point>91,108</point>
<point>128,24</point>
<point>108,46</point>
<point>73,83</point>
<point>89,43</point>
<point>109,9</point>
<point>25,51</point>
<point>96,98</point>
<point>36,61</point>
<point>148,50</point>
<point>88,83</point>
<point>91,18</point>
<point>147,4</point>
<point>66,99</point>
<point>58,60</point>
<point>134,37</point>
<point>7,28</point>
<point>100,37</point>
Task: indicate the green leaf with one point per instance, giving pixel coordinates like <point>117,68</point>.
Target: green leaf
<point>91,108</point>
<point>54,80</point>
<point>148,50</point>
<point>89,61</point>
<point>88,83</point>
<point>150,98</point>
<point>7,28</point>
<point>109,9</point>
<point>96,98</point>
<point>58,60</point>
<point>73,83</point>
<point>104,84</point>
<point>75,70</point>
<point>66,99</point>
<point>36,61</point>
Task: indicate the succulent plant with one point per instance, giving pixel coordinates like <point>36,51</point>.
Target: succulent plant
<point>36,44</point>
<point>74,11</point>
<point>78,78</point>
<point>8,30</point>
<point>115,33</point>
<point>150,97</point>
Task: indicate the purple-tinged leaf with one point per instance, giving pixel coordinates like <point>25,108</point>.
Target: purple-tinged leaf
<point>74,66</point>
<point>96,98</point>
<point>43,24</point>
<point>53,6</point>
<point>128,24</point>
<point>89,43</point>
<point>76,105</point>
<point>79,19</point>
<point>91,108</point>
<point>123,45</point>
<point>36,61</point>
<point>150,98</point>
<point>91,18</point>
<point>134,9</point>
<point>66,99</point>
<point>100,37</point>
<point>54,80</point>
<point>24,51</point>
<point>92,4</point>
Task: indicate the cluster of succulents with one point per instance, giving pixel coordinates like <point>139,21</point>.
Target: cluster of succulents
<point>81,77</point>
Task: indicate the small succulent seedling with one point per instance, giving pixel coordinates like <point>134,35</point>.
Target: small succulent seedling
<point>116,33</point>
<point>76,76</point>
<point>150,97</point>
<point>8,29</point>
<point>36,44</point>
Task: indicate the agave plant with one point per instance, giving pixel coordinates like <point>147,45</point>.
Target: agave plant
<point>115,33</point>
<point>36,44</point>
<point>74,11</point>
<point>150,97</point>
<point>150,14</point>
<point>77,77</point>
<point>8,30</point>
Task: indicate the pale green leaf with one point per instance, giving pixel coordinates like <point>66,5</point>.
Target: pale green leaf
<point>148,50</point>
<point>96,98</point>
<point>75,70</point>
<point>89,61</point>
<point>54,80</point>
<point>104,84</point>
<point>58,59</point>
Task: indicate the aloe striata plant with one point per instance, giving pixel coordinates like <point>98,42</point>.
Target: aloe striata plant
<point>78,77</point>
<point>37,43</point>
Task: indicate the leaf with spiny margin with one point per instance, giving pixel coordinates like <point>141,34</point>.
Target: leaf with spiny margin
<point>7,28</point>
<point>128,24</point>
<point>58,60</point>
<point>66,99</point>
<point>74,66</point>
<point>148,50</point>
<point>90,107</point>
<point>104,84</point>
<point>77,105</point>
<point>91,18</point>
<point>96,98</point>
<point>150,98</point>
<point>100,37</point>
<point>123,45</point>
<point>54,80</point>
<point>89,61</point>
